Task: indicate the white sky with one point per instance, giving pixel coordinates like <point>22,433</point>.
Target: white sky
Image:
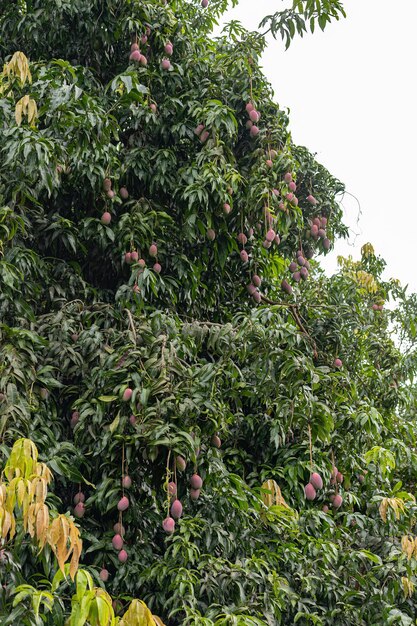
<point>352,95</point>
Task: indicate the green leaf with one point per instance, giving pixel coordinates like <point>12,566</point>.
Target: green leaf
<point>70,472</point>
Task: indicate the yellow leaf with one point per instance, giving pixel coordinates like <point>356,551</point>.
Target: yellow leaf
<point>408,586</point>
<point>25,102</point>
<point>39,488</point>
<point>57,538</point>
<point>8,525</point>
<point>64,538</point>
<point>367,250</point>
<point>44,472</point>
<point>32,111</point>
<point>42,523</point>
<point>25,509</point>
<point>383,508</point>
<point>75,559</point>
<point>26,106</point>
<point>407,546</point>
<point>27,489</point>
<point>366,281</point>
<point>103,612</point>
<point>31,520</point>
<point>23,456</point>
<point>271,494</point>
<point>3,494</point>
<point>396,504</point>
<point>20,490</point>
<point>104,607</point>
<point>18,113</point>
<point>137,614</point>
<point>18,66</point>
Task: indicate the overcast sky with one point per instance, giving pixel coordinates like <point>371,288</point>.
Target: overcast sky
<point>352,95</point>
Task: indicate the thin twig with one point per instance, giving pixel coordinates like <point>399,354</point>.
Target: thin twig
<point>168,476</point>
<point>132,324</point>
<point>311,448</point>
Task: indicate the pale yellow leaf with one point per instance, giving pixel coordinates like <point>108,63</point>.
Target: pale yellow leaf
<point>9,525</point>
<point>408,586</point>
<point>32,111</point>
<point>383,508</point>
<point>42,523</point>
<point>20,490</point>
<point>18,113</point>
<point>43,470</point>
<point>39,488</point>
<point>3,494</point>
<point>64,538</point>
<point>75,559</point>
<point>407,546</point>
<point>396,504</point>
<point>137,614</point>
<point>57,539</point>
<point>31,520</point>
<point>271,494</point>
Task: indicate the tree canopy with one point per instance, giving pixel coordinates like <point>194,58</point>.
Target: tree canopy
<point>229,431</point>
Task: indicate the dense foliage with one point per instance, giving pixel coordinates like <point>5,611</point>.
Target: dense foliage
<point>180,365</point>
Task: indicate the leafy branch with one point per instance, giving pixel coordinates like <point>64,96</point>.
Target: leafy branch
<point>301,17</point>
